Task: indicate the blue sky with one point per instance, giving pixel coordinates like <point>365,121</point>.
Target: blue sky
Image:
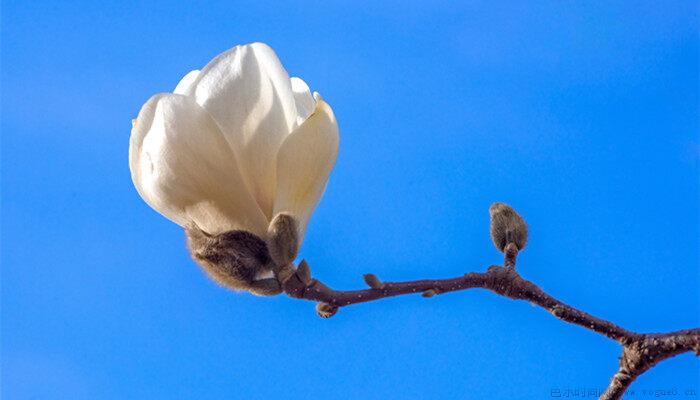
<point>582,116</point>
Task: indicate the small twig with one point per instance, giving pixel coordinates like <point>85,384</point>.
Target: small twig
<point>509,254</point>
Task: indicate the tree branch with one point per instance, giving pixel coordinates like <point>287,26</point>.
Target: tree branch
<point>643,351</point>
<point>640,351</point>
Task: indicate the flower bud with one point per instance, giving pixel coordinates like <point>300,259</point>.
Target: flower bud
<point>234,145</point>
<point>282,239</point>
<point>507,227</point>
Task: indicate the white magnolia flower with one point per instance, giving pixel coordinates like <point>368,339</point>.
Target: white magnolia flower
<point>234,145</point>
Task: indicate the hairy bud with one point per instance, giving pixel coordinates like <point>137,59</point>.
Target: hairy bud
<point>237,260</point>
<point>325,310</point>
<point>283,239</point>
<point>507,227</point>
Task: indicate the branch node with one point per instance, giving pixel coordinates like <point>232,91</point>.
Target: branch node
<point>557,311</point>
<point>304,273</point>
<point>295,282</point>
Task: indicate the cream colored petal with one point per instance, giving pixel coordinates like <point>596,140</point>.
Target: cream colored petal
<point>186,82</point>
<point>183,167</point>
<point>248,93</point>
<point>304,164</point>
<point>302,98</point>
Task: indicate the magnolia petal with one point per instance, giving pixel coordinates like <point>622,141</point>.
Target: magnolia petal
<point>302,98</point>
<point>183,167</point>
<point>304,164</point>
<point>186,82</point>
<point>249,95</point>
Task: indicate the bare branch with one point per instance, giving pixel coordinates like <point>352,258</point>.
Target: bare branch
<point>640,351</point>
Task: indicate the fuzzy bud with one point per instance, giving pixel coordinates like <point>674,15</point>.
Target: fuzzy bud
<point>283,239</point>
<point>507,227</point>
<point>372,281</point>
<point>238,260</point>
<point>325,310</point>
<point>429,293</point>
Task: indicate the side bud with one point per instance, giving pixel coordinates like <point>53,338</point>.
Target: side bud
<point>507,227</point>
<point>325,310</point>
<point>372,281</point>
<point>283,239</point>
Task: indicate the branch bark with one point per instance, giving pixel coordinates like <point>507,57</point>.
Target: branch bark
<point>640,352</point>
<point>643,351</point>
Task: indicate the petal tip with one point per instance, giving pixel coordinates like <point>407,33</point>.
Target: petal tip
<point>185,84</point>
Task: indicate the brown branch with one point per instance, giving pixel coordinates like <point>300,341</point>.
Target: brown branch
<point>643,351</point>
<point>640,351</point>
